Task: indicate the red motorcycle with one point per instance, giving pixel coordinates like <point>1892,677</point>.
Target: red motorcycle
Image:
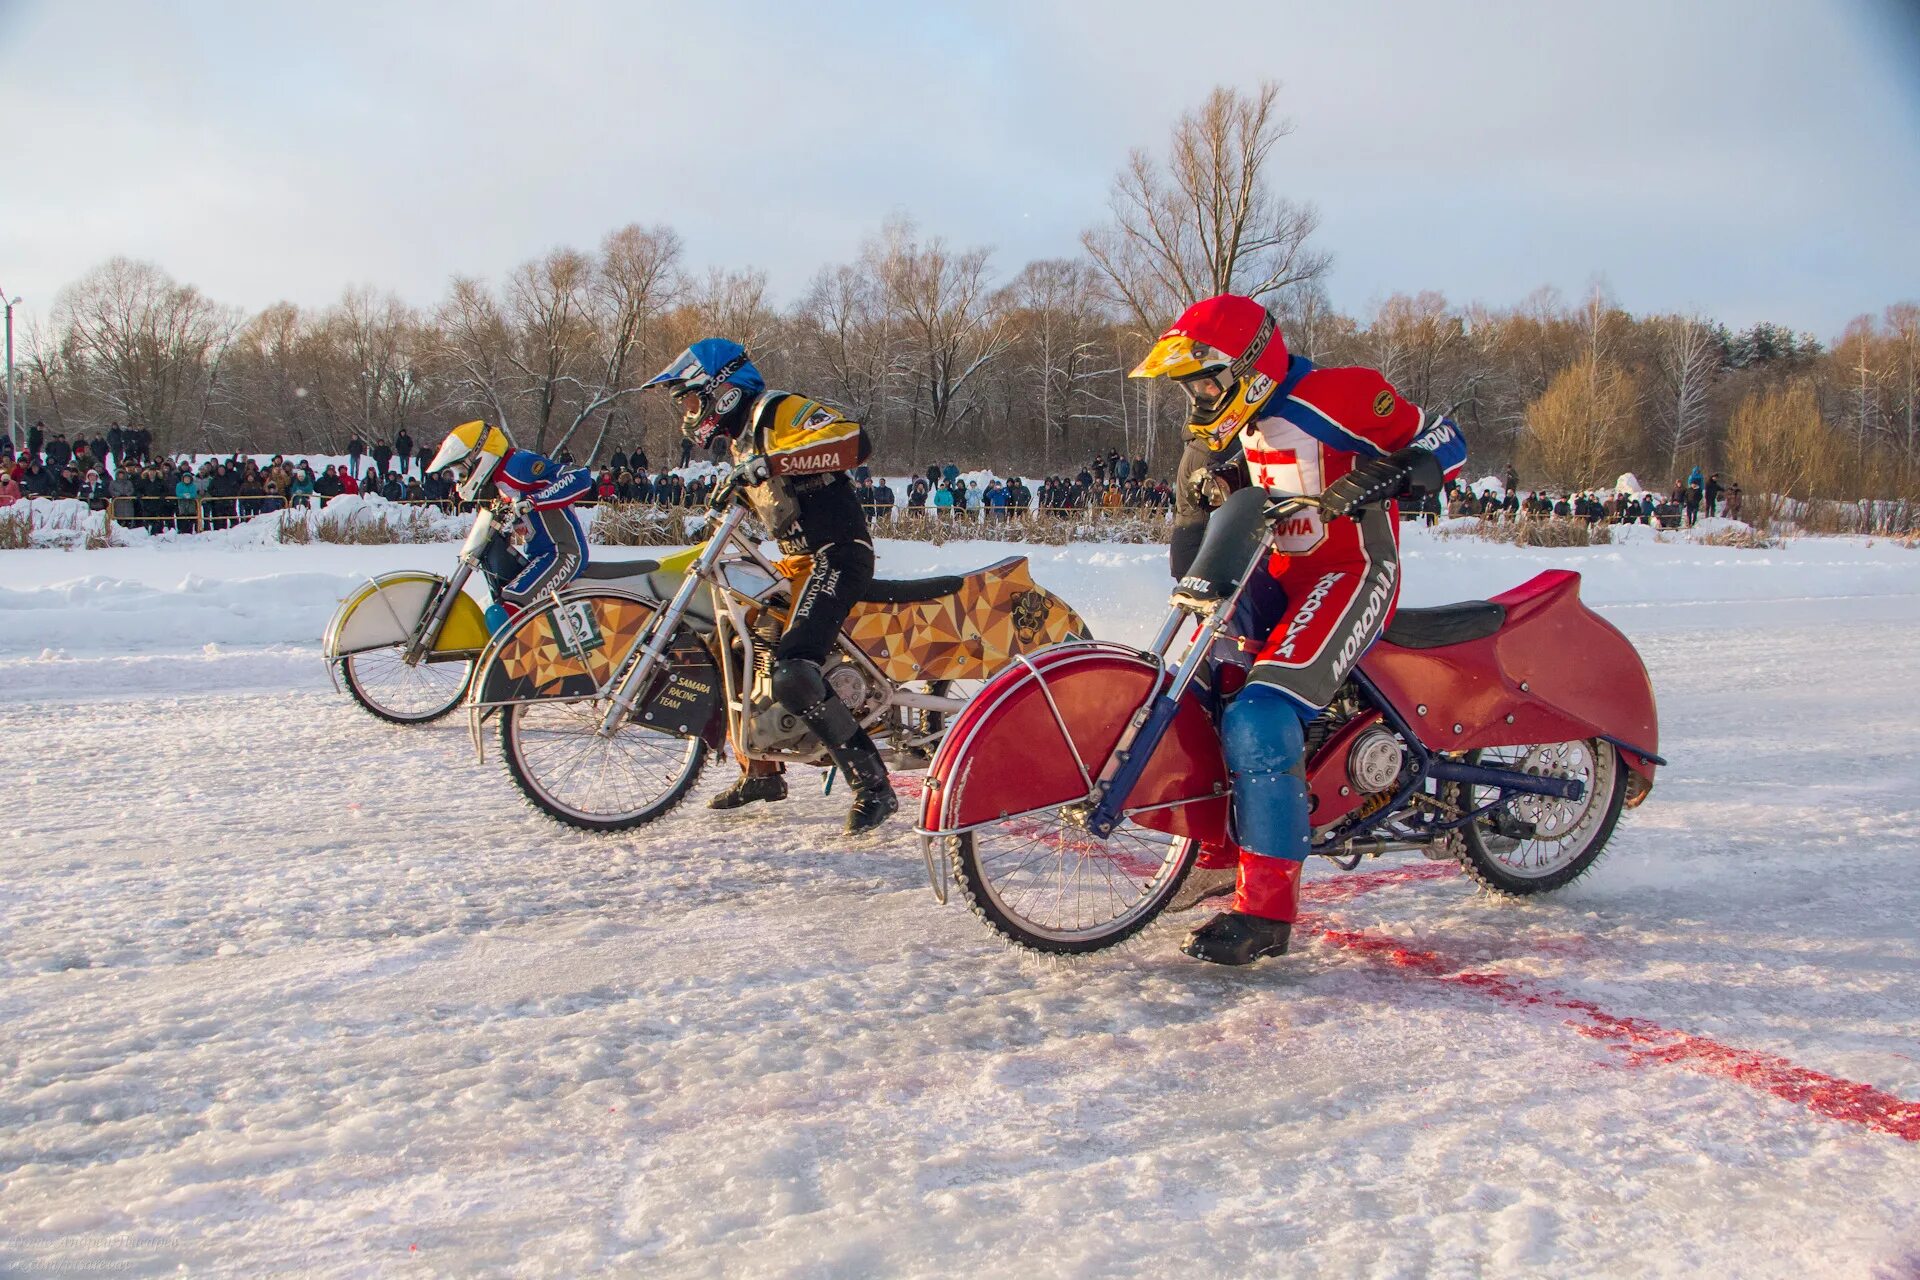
<point>1074,793</point>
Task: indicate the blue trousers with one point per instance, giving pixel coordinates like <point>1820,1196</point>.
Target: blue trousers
<point>1264,739</point>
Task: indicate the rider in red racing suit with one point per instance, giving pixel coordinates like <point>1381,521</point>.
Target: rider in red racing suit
<point>1261,416</point>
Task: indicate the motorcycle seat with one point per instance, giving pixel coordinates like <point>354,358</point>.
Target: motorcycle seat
<point>1445,624</point>
<point>910,590</point>
<point>614,570</point>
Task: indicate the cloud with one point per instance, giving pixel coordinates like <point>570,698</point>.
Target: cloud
<point>1693,154</point>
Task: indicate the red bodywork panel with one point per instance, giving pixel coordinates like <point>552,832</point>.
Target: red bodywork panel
<point>1582,677</point>
<point>1006,753</point>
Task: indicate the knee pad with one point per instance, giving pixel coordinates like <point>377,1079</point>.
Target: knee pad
<point>1261,733</point>
<point>1265,746</point>
<point>799,686</point>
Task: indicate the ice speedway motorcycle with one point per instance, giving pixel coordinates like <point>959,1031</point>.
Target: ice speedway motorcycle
<point>1071,797</point>
<point>611,694</point>
<point>405,643</point>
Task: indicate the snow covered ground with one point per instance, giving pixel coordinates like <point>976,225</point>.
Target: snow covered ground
<point>284,989</point>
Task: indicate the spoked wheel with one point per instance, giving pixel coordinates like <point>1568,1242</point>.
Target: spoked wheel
<point>1567,836</point>
<point>936,721</point>
<point>563,763</point>
<point>1044,882</point>
<point>381,681</point>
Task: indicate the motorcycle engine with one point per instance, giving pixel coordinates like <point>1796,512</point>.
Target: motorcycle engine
<point>1374,761</point>
<point>773,726</point>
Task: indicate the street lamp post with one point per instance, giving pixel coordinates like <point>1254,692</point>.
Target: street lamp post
<point>13,429</point>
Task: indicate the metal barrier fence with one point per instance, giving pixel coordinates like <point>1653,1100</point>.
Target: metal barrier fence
<point>196,515</point>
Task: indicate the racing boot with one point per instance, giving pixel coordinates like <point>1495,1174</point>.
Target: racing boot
<point>1264,743</point>
<point>750,786</point>
<point>873,799</point>
<point>800,687</point>
<point>1234,937</point>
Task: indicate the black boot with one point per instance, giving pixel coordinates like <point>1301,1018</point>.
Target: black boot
<point>801,689</point>
<point>1233,937</point>
<point>873,798</point>
<point>749,787</point>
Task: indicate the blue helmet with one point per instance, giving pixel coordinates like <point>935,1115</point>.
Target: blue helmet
<point>720,374</point>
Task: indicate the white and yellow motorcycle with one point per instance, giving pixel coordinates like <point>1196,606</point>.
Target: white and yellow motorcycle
<point>405,643</point>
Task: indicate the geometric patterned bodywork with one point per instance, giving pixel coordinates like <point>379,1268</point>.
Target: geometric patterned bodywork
<point>568,651</point>
<point>996,615</point>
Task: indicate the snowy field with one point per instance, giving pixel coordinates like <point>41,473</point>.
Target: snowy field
<point>288,991</point>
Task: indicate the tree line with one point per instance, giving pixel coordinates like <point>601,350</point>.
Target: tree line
<point>946,356</point>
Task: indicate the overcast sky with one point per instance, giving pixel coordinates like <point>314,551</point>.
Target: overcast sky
<point>1752,161</point>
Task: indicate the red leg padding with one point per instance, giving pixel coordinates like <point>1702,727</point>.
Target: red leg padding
<point>1218,856</point>
<point>1268,887</point>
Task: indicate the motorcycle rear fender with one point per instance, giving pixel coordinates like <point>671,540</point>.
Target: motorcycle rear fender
<point>386,610</point>
<point>1040,732</point>
<point>1555,671</point>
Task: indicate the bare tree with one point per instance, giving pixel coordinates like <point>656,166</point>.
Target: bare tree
<point>844,326</point>
<point>1686,360</point>
<point>637,277</point>
<point>474,353</point>
<point>147,347</point>
<point>1060,330</point>
<point>952,327</point>
<point>1204,221</point>
<point>1411,340</point>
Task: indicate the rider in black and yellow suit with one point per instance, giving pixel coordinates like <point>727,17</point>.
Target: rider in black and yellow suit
<point>793,454</point>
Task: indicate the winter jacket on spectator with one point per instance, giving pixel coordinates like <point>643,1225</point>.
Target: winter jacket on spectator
<point>617,463</point>
<point>637,460</point>
<point>116,441</point>
<point>59,453</point>
<point>122,486</point>
<point>327,484</point>
<point>186,495</point>
<point>403,449</point>
<point>356,450</point>
<point>36,437</point>
<point>9,489</point>
<point>347,483</point>
<point>391,490</point>
<point>382,455</point>
<point>152,494</point>
<point>301,487</point>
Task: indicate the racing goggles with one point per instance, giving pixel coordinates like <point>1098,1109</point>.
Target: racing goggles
<point>1210,390</point>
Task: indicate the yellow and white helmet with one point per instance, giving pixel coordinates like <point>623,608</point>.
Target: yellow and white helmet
<point>481,447</point>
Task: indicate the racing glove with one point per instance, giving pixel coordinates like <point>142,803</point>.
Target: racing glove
<point>1408,470</point>
<point>1211,486</point>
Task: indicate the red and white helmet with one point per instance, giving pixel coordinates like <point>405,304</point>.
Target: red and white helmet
<point>1227,354</point>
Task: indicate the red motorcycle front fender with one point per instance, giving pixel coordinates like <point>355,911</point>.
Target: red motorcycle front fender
<point>1554,671</point>
<point>1041,731</point>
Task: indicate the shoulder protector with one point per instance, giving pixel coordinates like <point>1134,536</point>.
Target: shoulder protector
<point>805,437</point>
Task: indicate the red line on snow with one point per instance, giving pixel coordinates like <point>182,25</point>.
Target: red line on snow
<point>1641,1041</point>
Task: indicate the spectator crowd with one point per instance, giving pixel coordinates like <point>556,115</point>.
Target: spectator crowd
<point>1701,494</point>
<point>118,470</point>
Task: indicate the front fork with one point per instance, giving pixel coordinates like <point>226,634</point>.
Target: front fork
<point>437,613</point>
<point>629,686</point>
